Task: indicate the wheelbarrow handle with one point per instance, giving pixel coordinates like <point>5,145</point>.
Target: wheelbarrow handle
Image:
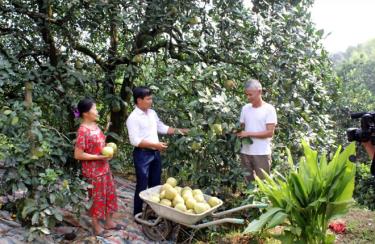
<point>217,222</point>
<point>139,219</point>
<point>233,210</point>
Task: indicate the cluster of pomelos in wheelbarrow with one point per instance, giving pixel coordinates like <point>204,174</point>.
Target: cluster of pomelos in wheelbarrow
<point>184,199</point>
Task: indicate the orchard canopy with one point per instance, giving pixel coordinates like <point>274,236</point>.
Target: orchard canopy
<point>195,55</point>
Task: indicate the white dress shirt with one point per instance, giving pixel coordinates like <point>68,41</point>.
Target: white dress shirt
<point>144,126</point>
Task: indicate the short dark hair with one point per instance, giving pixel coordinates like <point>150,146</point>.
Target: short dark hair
<point>85,105</point>
<point>141,92</point>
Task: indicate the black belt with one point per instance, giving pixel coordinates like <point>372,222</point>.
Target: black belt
<point>145,149</point>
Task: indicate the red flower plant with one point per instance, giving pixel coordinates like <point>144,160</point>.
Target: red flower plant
<point>338,227</point>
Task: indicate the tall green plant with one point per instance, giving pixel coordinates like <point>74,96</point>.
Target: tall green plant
<point>312,193</point>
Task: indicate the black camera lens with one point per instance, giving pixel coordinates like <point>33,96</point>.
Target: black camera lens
<point>367,130</point>
<point>351,133</point>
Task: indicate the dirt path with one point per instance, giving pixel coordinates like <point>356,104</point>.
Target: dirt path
<point>13,233</point>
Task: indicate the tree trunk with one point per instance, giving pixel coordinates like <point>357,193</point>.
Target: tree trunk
<point>118,119</point>
<point>28,105</point>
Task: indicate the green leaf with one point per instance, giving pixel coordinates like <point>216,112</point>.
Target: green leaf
<point>286,238</point>
<point>290,158</point>
<point>247,141</point>
<point>14,120</point>
<point>27,210</point>
<point>35,218</point>
<point>300,191</point>
<point>52,198</point>
<point>29,206</point>
<point>330,238</point>
<point>115,135</point>
<point>337,209</point>
<point>257,225</point>
<point>7,112</point>
<point>237,146</point>
<point>58,215</point>
<point>45,230</point>
<point>346,188</point>
<point>311,157</point>
<point>277,219</point>
<point>48,211</point>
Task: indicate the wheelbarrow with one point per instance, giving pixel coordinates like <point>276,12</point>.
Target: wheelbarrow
<point>159,222</point>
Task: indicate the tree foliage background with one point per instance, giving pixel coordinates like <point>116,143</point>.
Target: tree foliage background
<point>53,53</point>
<point>355,69</point>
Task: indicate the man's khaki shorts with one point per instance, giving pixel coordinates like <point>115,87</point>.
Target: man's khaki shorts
<point>254,163</point>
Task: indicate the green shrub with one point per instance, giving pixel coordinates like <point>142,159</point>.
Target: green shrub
<point>364,191</point>
<point>40,177</point>
<point>306,199</point>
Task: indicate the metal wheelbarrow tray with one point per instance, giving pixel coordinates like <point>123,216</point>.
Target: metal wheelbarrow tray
<point>158,220</point>
<point>172,213</point>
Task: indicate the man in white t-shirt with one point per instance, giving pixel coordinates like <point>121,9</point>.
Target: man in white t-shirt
<point>259,120</point>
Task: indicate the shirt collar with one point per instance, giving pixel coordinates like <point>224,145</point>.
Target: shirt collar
<point>140,111</point>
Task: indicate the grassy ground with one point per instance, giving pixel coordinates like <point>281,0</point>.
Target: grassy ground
<point>360,229</point>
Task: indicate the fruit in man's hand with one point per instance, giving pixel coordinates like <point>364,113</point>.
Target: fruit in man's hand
<point>246,141</point>
<point>113,145</point>
<point>108,151</point>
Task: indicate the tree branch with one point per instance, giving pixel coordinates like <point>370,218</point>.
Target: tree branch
<point>88,52</point>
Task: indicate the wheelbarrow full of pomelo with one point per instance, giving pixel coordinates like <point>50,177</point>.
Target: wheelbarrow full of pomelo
<point>173,212</point>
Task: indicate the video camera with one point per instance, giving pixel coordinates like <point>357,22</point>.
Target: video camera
<point>367,130</point>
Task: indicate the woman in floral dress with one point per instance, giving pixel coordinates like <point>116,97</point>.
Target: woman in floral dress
<point>95,167</point>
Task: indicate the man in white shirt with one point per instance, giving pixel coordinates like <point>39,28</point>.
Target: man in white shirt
<point>143,127</point>
<point>258,119</point>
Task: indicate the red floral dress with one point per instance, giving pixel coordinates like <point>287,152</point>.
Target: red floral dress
<point>97,172</point>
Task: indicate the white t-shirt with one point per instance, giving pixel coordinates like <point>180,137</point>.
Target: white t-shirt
<point>255,120</point>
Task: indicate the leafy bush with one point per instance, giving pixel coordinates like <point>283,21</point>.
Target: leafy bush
<point>308,197</point>
<point>40,176</point>
<point>364,191</point>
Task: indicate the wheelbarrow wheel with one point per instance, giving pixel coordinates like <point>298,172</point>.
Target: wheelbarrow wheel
<point>159,232</point>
